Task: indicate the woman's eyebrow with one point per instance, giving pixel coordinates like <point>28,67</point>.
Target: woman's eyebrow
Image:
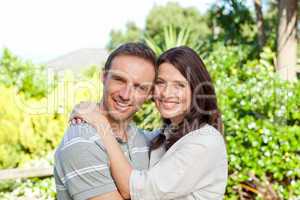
<point>180,82</point>
<point>174,81</point>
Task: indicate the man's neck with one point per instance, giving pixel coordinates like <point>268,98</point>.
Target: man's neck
<point>119,128</point>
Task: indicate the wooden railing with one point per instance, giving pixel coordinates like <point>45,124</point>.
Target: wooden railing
<point>25,173</point>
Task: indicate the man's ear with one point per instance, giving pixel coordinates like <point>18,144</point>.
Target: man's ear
<point>104,75</point>
<point>150,96</point>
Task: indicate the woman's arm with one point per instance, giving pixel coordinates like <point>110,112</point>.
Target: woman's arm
<point>119,165</point>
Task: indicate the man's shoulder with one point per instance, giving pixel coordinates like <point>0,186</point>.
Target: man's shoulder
<point>83,130</point>
<point>80,137</point>
<point>146,136</point>
<point>149,135</point>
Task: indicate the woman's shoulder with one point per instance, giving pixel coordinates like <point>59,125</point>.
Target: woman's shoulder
<point>207,136</point>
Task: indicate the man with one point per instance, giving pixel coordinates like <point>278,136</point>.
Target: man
<point>81,168</point>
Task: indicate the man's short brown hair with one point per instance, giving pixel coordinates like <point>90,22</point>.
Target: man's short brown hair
<point>132,49</point>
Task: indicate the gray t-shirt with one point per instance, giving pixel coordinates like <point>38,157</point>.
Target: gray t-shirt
<point>81,167</point>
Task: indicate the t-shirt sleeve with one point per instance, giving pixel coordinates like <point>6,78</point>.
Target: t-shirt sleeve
<point>84,167</point>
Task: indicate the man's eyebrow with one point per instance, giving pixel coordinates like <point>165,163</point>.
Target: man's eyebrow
<point>114,75</point>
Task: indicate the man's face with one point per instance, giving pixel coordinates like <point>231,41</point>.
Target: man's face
<point>127,84</point>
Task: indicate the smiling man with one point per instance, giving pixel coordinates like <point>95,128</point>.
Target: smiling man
<point>81,168</point>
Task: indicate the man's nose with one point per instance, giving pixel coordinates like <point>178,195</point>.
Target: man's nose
<point>125,93</point>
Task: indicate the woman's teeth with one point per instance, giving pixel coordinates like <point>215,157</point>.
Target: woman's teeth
<point>168,105</point>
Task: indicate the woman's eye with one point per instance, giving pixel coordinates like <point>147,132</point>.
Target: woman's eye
<point>180,85</point>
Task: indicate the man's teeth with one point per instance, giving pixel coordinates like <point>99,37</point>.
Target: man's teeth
<point>121,104</point>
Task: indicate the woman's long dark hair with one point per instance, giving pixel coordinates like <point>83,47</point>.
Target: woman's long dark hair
<point>204,108</point>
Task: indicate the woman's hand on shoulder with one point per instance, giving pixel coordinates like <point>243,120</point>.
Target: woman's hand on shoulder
<point>88,112</point>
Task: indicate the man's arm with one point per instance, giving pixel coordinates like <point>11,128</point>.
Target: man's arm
<point>108,196</point>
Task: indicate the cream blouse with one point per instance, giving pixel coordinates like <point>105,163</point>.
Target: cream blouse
<point>195,167</point>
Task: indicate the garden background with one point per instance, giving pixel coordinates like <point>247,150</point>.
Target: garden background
<point>252,57</point>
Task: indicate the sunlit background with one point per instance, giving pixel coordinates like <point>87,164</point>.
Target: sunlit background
<point>52,53</point>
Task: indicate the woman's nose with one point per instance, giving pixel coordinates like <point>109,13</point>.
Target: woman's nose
<point>168,91</point>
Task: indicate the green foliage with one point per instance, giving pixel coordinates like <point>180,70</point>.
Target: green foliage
<point>33,188</point>
<point>161,18</point>
<point>132,33</point>
<point>91,72</point>
<point>172,14</point>
<point>32,125</point>
<point>29,189</point>
<point>172,39</point>
<point>23,135</point>
<point>26,77</point>
<point>261,117</point>
<point>235,20</point>
<point>148,117</point>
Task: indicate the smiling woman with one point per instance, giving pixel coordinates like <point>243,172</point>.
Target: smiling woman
<point>172,93</point>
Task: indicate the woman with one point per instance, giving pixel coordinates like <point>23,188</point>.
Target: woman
<point>194,164</point>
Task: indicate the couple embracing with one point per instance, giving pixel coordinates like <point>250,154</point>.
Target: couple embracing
<point>104,156</point>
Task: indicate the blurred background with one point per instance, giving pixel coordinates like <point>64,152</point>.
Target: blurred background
<point>52,53</point>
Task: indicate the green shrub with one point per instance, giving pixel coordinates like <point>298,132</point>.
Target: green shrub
<point>23,135</point>
<point>261,118</point>
<point>31,127</point>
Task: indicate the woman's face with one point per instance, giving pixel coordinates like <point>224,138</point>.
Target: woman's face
<point>172,93</point>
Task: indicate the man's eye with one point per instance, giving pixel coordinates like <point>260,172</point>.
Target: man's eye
<point>118,79</point>
<point>159,82</point>
<point>143,88</point>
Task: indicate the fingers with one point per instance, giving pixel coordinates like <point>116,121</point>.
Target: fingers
<point>73,121</point>
<point>77,120</point>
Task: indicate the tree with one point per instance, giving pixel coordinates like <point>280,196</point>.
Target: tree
<point>287,39</point>
<point>132,33</point>
<point>234,21</point>
<point>260,23</point>
<point>23,75</point>
<point>160,18</point>
<point>172,14</point>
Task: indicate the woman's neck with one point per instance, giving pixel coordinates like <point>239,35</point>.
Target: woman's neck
<point>176,120</point>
